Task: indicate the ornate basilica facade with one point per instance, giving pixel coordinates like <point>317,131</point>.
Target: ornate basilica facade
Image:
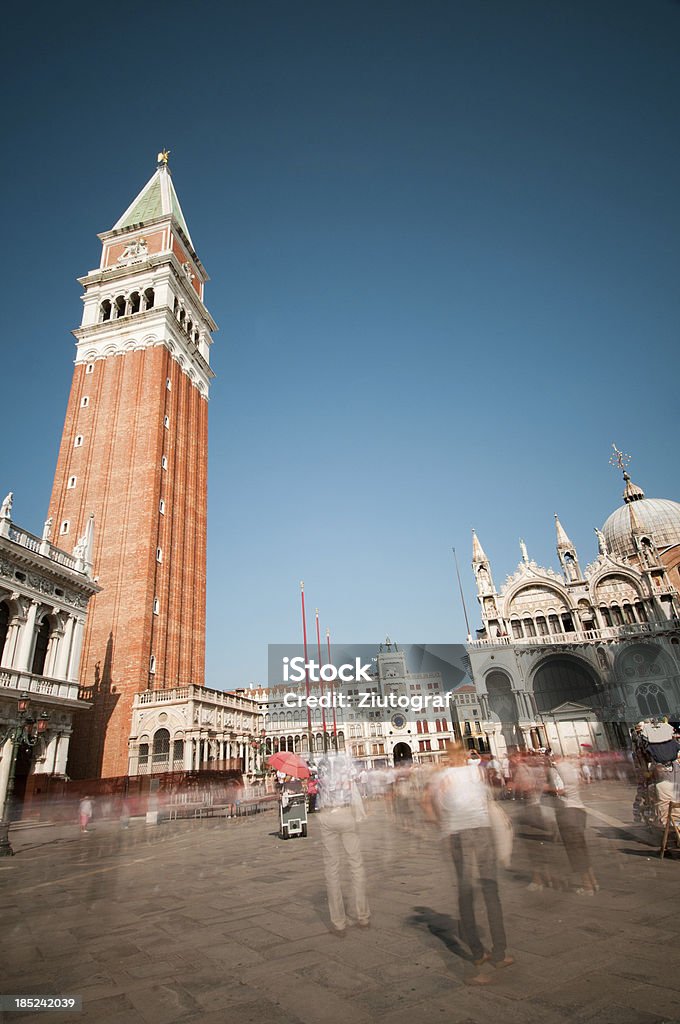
<point>571,659</point>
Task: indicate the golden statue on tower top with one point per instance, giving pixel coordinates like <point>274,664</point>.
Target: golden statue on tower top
<point>163,157</point>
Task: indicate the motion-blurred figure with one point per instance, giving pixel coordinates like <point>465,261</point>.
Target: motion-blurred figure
<point>530,783</point>
<point>571,823</point>
<point>312,788</point>
<point>340,810</point>
<point>85,811</point>
<point>458,799</point>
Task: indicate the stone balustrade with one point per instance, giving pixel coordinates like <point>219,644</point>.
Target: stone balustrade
<point>26,682</point>
<point>607,633</point>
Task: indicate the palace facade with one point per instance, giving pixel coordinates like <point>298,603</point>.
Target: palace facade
<point>44,597</point>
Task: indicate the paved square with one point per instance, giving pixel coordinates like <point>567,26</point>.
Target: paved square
<point>219,920</point>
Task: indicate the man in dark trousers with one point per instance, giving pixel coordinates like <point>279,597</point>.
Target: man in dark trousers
<point>458,799</point>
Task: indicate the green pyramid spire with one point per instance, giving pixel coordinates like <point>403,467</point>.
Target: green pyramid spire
<point>157,199</point>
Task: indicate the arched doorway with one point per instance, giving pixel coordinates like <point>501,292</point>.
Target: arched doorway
<point>503,704</point>
<point>402,754</point>
<point>4,626</point>
<point>41,644</point>
<point>22,769</point>
<point>560,680</point>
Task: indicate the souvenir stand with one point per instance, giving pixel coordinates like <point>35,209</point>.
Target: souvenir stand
<point>655,752</point>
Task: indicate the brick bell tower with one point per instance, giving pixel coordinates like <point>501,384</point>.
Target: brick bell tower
<point>134,455</point>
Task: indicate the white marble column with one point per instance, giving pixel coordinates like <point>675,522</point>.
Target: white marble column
<point>9,651</point>
<point>53,649</point>
<point>5,763</point>
<point>61,663</point>
<point>45,766</point>
<point>61,753</point>
<point>76,647</point>
<point>27,639</point>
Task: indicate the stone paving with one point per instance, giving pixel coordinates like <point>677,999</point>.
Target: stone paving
<point>199,922</point>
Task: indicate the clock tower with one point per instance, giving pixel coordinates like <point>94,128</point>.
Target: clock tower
<point>392,670</point>
<point>133,454</point>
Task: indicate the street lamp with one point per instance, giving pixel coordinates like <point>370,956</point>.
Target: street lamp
<point>26,733</point>
<point>257,746</point>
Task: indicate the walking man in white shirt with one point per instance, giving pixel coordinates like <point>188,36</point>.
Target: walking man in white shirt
<point>459,800</point>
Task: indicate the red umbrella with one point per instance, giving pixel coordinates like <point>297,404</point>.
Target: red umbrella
<point>289,763</point>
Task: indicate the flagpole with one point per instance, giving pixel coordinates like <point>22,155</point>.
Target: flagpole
<point>462,598</point>
<point>330,662</point>
<point>304,642</point>
<point>321,682</point>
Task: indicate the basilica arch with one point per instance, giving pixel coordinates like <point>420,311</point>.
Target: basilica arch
<point>619,599</point>
<point>649,680</point>
<point>560,679</point>
<point>537,609</point>
<point>502,703</point>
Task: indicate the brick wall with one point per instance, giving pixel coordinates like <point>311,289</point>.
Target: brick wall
<point>119,477</point>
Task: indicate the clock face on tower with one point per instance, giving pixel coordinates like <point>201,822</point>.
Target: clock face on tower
<point>398,720</point>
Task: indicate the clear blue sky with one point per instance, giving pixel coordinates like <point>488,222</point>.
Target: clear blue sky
<point>443,241</point>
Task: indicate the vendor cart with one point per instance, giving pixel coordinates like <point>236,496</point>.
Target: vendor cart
<point>293,815</point>
<point>655,750</point>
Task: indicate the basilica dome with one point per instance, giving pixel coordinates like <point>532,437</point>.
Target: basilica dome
<point>658,517</point>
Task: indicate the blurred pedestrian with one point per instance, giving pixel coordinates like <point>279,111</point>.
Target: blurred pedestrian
<point>312,792</point>
<point>571,823</point>
<point>85,812</point>
<point>458,799</point>
<point>340,811</point>
<point>124,813</point>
